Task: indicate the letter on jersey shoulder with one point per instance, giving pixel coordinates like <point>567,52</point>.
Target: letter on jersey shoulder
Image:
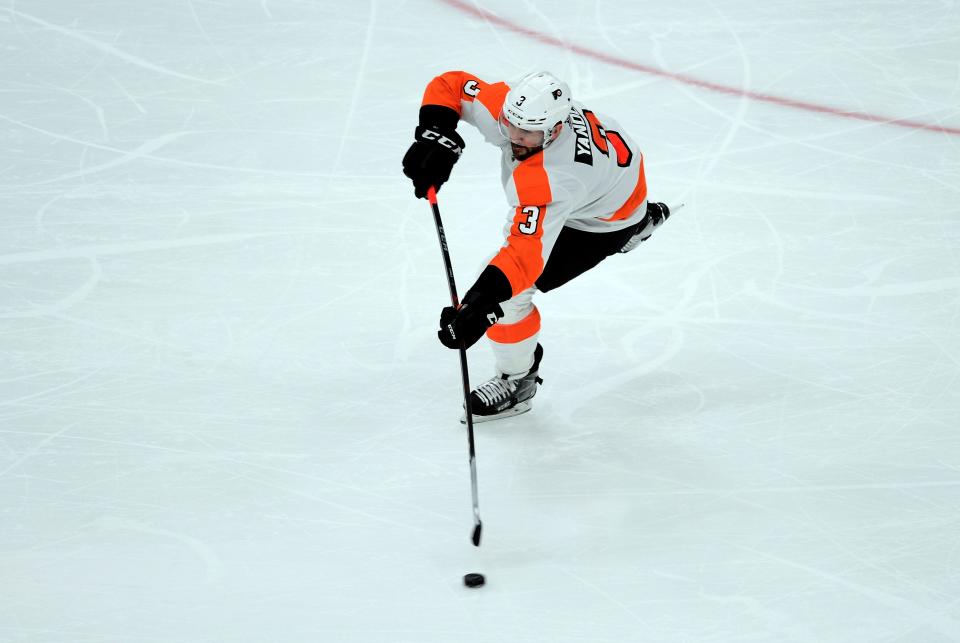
<point>583,153</point>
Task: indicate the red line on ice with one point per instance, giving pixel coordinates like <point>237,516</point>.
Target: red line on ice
<point>465,7</point>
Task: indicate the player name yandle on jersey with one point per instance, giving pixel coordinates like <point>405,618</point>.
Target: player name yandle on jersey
<point>583,153</point>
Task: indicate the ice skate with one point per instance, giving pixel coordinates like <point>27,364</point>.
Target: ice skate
<point>506,395</point>
<point>657,214</point>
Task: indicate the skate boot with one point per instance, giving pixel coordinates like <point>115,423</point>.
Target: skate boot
<point>657,214</point>
<point>505,395</point>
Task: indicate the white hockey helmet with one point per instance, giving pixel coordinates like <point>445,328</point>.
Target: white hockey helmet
<point>537,102</point>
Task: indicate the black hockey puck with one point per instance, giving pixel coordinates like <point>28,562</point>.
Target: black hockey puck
<point>474,580</point>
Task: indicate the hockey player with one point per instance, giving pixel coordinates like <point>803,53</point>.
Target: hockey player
<point>575,185</point>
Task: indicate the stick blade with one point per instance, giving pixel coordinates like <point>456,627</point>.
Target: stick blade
<point>477,529</point>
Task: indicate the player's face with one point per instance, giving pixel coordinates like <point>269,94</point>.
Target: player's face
<point>523,143</point>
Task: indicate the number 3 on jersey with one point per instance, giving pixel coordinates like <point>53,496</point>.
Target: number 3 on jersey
<point>533,219</point>
<point>602,136</point>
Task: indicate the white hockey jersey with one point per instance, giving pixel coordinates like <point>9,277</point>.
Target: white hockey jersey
<point>590,178</point>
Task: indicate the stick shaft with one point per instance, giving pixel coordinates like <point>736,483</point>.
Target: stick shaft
<point>455,302</point>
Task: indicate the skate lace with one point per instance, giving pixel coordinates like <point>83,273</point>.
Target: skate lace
<point>495,390</point>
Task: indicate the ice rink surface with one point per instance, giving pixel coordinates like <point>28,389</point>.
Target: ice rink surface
<point>224,413</point>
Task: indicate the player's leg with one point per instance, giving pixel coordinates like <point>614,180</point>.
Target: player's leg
<point>514,338</point>
<point>576,252</point>
<point>517,357</point>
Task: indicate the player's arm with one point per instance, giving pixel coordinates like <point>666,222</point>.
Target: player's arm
<point>531,235</point>
<point>437,146</point>
<point>539,208</point>
<point>460,95</point>
<point>535,221</point>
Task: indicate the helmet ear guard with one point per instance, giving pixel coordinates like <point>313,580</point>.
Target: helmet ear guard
<point>537,102</point>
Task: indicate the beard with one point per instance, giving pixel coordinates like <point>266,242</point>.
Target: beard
<point>521,153</point>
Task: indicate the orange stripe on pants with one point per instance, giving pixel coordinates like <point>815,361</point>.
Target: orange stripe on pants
<point>513,333</point>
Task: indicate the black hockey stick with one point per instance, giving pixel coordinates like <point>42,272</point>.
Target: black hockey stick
<point>455,301</point>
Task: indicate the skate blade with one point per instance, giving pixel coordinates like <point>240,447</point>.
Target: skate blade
<point>519,409</point>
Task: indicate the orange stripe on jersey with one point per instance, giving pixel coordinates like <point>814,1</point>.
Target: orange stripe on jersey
<point>521,259</point>
<point>445,90</point>
<point>636,198</point>
<point>513,333</point>
<point>492,97</point>
<point>451,87</point>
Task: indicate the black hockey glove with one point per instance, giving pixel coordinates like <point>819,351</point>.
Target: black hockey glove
<point>435,149</point>
<point>469,322</point>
